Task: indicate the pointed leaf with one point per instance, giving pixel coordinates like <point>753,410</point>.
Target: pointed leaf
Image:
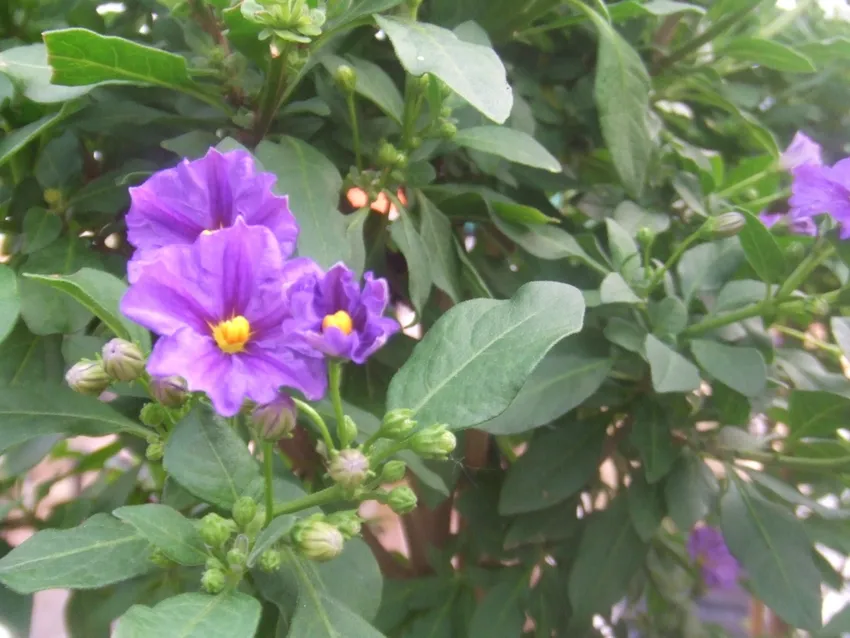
<point>166,529</point>
<point>652,437</point>
<point>10,303</point>
<point>509,143</point>
<point>742,369</point>
<point>761,250</point>
<point>404,234</point>
<point>671,372</point>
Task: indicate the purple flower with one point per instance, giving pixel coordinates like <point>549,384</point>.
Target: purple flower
<point>802,150</point>
<point>799,226</point>
<point>336,316</point>
<point>176,205</point>
<point>220,309</point>
<point>707,548</point>
<point>818,190</point>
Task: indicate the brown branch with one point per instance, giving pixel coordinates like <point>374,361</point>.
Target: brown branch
<point>390,567</point>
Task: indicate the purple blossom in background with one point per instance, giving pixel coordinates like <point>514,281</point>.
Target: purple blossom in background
<point>818,190</point>
<point>718,567</point>
<point>220,309</point>
<point>336,316</point>
<point>801,226</point>
<point>176,205</point>
<point>802,150</point>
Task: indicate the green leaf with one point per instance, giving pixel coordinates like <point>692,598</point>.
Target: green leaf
<point>59,162</point>
<point>792,495</point>
<point>690,490</point>
<point>632,218</point>
<point>556,465</point>
<point>742,369</point>
<point>509,143</point>
<point>546,241</point>
<point>668,316</point>
<point>761,250</point>
<point>437,241</point>
<point>101,551</point>
<point>36,409</point>
<point>609,554</point>
<point>570,373</point>
<point>671,372</point>
<point>358,10</point>
<point>622,97</point>
<point>229,615</point>
<point>816,414</point>
<point>373,83</point>
<point>27,358</point>
<point>209,459</point>
<point>708,267</point>
<point>41,228</point>
<point>100,293</point>
<point>519,214</point>
<point>10,303</point>
<point>500,612</point>
<point>739,293</point>
<point>166,529</point>
<point>558,523</point>
<point>276,530</point>
<point>407,238</point>
<point>19,138</point>
<point>473,71</point>
<point>645,507</point>
<point>614,289</point>
<point>626,334</point>
<point>450,378</point>
<point>841,331</point>
<point>773,548</point>
<point>652,437</point>
<point>313,185</point>
<point>28,66</point>
<point>320,616</point>
<point>624,251</point>
<point>768,53</point>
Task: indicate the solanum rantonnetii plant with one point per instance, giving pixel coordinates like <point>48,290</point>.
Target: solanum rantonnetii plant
<point>560,286</point>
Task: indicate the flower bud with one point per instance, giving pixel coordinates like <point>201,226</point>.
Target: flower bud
<point>159,559</point>
<point>270,560</point>
<point>346,78</point>
<point>244,511</point>
<point>817,306</point>
<point>397,424</point>
<point>402,500</point>
<point>52,196</point>
<point>318,540</point>
<point>348,468</point>
<point>445,111</point>
<point>795,251</point>
<point>415,141</point>
<point>213,581</point>
<point>447,129</point>
<point>645,235</point>
<point>424,81</point>
<point>169,391</point>
<point>155,451</point>
<point>88,377</point>
<point>387,154</point>
<point>153,415</point>
<point>276,420</point>
<point>435,442</point>
<point>236,558</point>
<point>347,431</point>
<point>215,530</point>
<point>256,525</point>
<point>725,225</point>
<point>214,563</point>
<point>393,471</point>
<point>348,523</point>
<point>123,360</point>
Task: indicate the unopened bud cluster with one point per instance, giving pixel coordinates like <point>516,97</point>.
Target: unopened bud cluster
<point>289,20</point>
<point>120,360</point>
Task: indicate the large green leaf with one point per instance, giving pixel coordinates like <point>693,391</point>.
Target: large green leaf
<point>19,138</point>
<point>230,615</point>
<point>817,414</point>
<point>742,369</point>
<point>100,293</point>
<point>671,372</point>
<point>410,242</point>
<point>313,185</point>
<point>28,66</point>
<point>10,303</point>
<point>772,546</point>
<point>473,71</point>
<point>761,250</point>
<point>653,439</point>
<point>571,372</point>
<point>41,227</point>
<point>209,459</point>
<point>36,409</point>
<point>546,241</point>
<point>556,465</point>
<point>509,143</point>
<point>359,10</point>
<point>500,612</point>
<point>166,529</point>
<point>450,378</point>
<point>769,53</point>
<point>690,490</point>
<point>708,267</point>
<point>438,241</point>
<point>101,551</point>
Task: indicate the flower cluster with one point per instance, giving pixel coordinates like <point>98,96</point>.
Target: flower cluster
<point>213,275</point>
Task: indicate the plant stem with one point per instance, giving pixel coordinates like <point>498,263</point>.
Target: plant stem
<point>319,422</point>
<point>322,497</point>
<point>807,338</point>
<point>752,179</point>
<point>268,471</point>
<point>791,462</point>
<point>768,199</point>
<point>812,261</point>
<point>334,386</point>
<point>725,319</point>
<point>355,128</point>
<point>658,277</point>
<point>272,96</point>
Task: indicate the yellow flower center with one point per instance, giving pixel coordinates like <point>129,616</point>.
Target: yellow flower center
<point>340,319</point>
<point>232,335</point>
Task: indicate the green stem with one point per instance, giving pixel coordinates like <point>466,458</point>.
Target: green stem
<point>658,277</point>
<point>412,103</point>
<point>706,325</point>
<point>322,497</point>
<point>334,386</point>
<point>382,456</point>
<point>752,179</point>
<point>807,338</point>
<point>268,472</point>
<point>318,421</point>
<point>273,95</point>
<point>791,462</point>
<point>806,267</point>
<point>769,199</point>
<point>355,128</point>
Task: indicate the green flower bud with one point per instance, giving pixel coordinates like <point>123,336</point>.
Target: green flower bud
<point>88,377</point>
<point>402,500</point>
<point>387,154</point>
<point>397,424</point>
<point>447,129</point>
<point>348,523</point>
<point>155,451</point>
<point>645,236</point>
<point>159,559</point>
<point>435,442</point>
<point>346,78</point>
<point>795,251</point>
<point>215,530</point>
<point>725,225</point>
<point>153,415</point>
<point>347,431</point>
<point>270,560</point>
<point>276,420</point>
<point>393,471</point>
<point>214,563</point>
<point>52,196</point>
<point>445,111</point>
<point>244,511</point>
<point>317,540</point>
<point>236,558</point>
<point>213,581</point>
<point>256,525</point>
<point>424,81</point>
<point>415,141</point>
<point>400,160</point>
<point>817,306</point>
<point>123,360</point>
<point>169,391</point>
<point>349,468</point>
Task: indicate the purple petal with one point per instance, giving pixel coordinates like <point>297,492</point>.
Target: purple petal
<point>802,150</point>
